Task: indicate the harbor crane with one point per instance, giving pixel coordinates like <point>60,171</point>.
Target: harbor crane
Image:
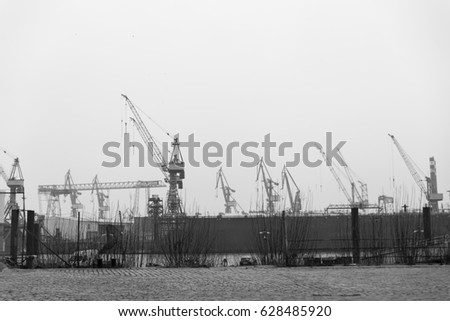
<point>269,186</point>
<point>73,193</point>
<point>357,198</point>
<point>295,200</point>
<point>102,198</point>
<point>15,183</point>
<point>173,171</point>
<point>230,202</point>
<point>362,195</point>
<point>350,199</point>
<point>427,186</point>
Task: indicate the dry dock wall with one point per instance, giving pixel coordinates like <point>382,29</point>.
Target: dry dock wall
<point>321,233</point>
<point>325,233</point>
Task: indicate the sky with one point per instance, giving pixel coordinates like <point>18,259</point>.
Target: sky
<point>226,71</point>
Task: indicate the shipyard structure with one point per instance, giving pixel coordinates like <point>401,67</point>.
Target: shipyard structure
<point>356,232</point>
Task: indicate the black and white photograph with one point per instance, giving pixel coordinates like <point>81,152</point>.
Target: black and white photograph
<point>224,159</point>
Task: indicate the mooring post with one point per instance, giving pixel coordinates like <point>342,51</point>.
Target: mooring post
<point>31,239</point>
<point>14,235</point>
<point>426,213</point>
<point>37,237</point>
<point>355,235</point>
<point>285,238</point>
<point>78,241</point>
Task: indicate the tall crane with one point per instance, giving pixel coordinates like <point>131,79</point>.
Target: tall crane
<point>295,200</point>
<point>173,171</point>
<point>350,199</point>
<point>269,186</point>
<point>102,198</point>
<point>230,202</point>
<point>427,186</point>
<point>73,193</point>
<point>356,195</point>
<point>357,198</point>
<point>15,183</point>
<point>69,188</point>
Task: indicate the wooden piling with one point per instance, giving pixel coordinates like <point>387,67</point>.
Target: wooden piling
<point>14,235</point>
<point>31,239</point>
<point>355,236</point>
<point>426,215</point>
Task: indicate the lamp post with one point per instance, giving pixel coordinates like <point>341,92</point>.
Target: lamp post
<point>265,235</point>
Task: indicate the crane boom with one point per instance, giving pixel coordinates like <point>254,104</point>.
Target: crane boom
<point>61,189</point>
<point>355,190</point>
<point>409,163</point>
<point>53,192</point>
<point>148,139</point>
<point>3,174</point>
<point>350,199</point>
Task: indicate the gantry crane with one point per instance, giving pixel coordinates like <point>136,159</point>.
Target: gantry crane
<point>173,171</point>
<point>269,186</point>
<point>102,198</point>
<point>295,200</point>
<point>230,202</point>
<point>427,186</point>
<point>54,191</point>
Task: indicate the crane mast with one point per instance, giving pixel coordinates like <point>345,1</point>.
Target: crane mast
<point>173,171</point>
<point>176,176</point>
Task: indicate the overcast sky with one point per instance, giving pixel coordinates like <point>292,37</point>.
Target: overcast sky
<point>226,71</point>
